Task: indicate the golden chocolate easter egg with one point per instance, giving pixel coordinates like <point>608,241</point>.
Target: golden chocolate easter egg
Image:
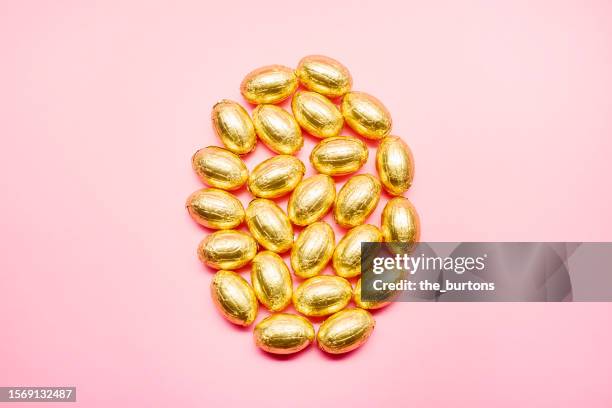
<point>271,281</point>
<point>311,199</point>
<point>313,249</point>
<point>400,222</point>
<point>234,298</point>
<point>283,333</point>
<point>356,199</point>
<point>366,115</point>
<point>220,168</point>
<point>277,129</point>
<point>234,127</point>
<point>345,331</point>
<point>269,225</point>
<point>269,84</point>
<point>322,295</point>
<point>347,256</point>
<point>227,249</point>
<point>215,209</point>
<point>324,75</point>
<point>316,114</point>
<point>340,155</point>
<point>276,176</point>
<point>395,165</point>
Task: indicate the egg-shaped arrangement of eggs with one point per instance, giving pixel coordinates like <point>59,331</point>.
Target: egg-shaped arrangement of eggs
<point>257,233</point>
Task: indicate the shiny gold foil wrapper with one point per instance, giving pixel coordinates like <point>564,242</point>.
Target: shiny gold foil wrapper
<point>234,127</point>
<point>395,165</point>
<point>220,168</point>
<point>345,331</point>
<point>234,298</point>
<point>269,84</point>
<point>283,333</point>
<point>322,295</point>
<point>277,129</point>
<point>316,114</point>
<point>338,156</point>
<point>311,200</point>
<point>356,200</point>
<point>216,209</point>
<point>276,176</point>
<point>364,304</point>
<point>269,225</point>
<point>400,224</point>
<point>324,75</point>
<point>271,281</point>
<point>313,249</point>
<point>227,249</point>
<point>366,115</point>
<point>347,256</point>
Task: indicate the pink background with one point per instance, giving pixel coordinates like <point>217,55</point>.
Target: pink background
<point>506,105</point>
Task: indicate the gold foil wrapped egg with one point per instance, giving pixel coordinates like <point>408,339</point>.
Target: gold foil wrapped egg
<point>324,75</point>
<point>322,295</point>
<point>313,249</point>
<point>270,84</point>
<point>311,199</point>
<point>366,115</point>
<point>316,114</point>
<point>395,165</point>
<point>271,281</point>
<point>277,129</point>
<point>364,304</point>
<point>215,209</point>
<point>234,126</point>
<point>340,155</point>
<point>345,331</point>
<point>220,168</point>
<point>400,222</point>
<point>276,176</point>
<point>347,256</point>
<point>227,249</point>
<point>283,333</point>
<point>269,225</point>
<point>356,199</point>
<point>234,297</point>
<point>380,294</point>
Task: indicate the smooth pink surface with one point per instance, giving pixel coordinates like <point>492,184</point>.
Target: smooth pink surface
<point>506,105</point>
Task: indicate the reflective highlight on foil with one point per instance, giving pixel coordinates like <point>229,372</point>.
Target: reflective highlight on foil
<point>356,200</point>
<point>269,225</point>
<point>324,75</point>
<point>269,84</point>
<point>316,114</point>
<point>234,298</point>
<point>313,249</point>
<point>366,115</point>
<point>311,199</point>
<point>215,209</point>
<point>345,331</point>
<point>271,281</point>
<point>276,176</point>
<point>233,125</point>
<point>283,334</point>
<point>220,168</point>
<point>227,249</point>
<point>337,156</point>
<point>395,165</point>
<point>322,295</point>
